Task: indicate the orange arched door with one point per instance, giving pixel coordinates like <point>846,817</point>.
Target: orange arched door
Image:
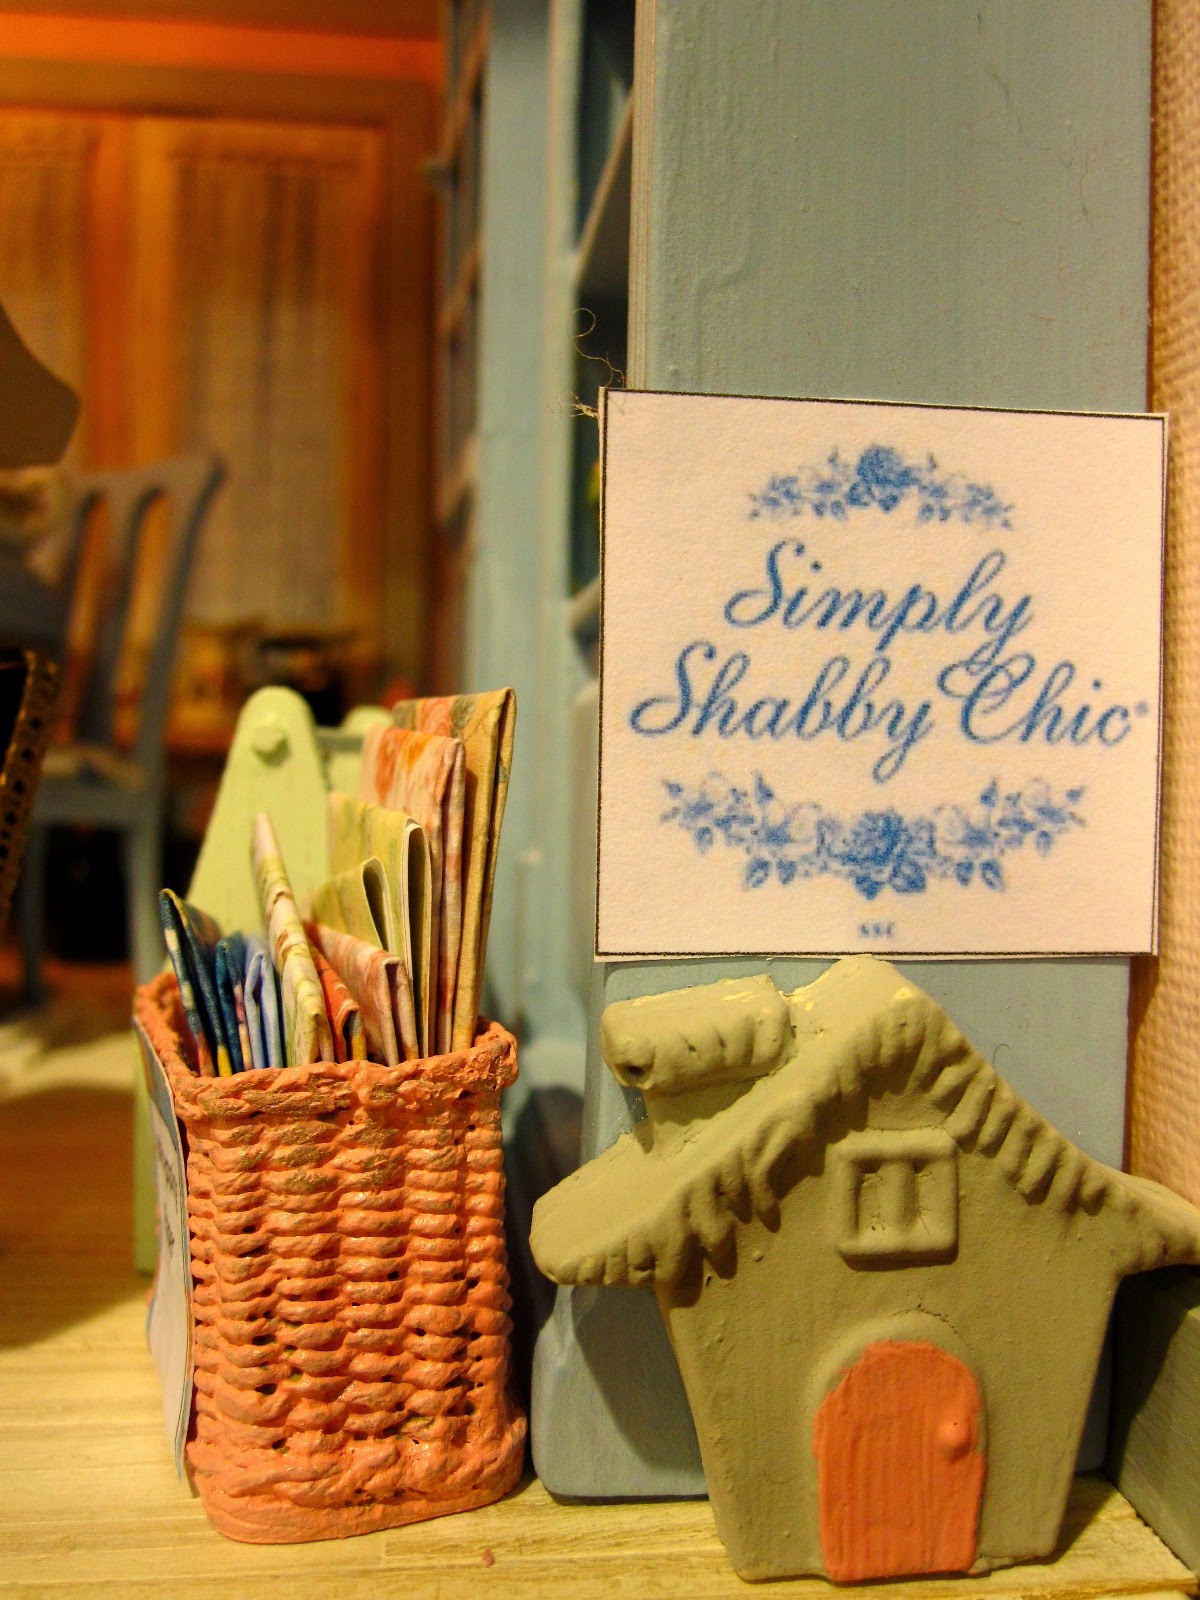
<point>899,1464</point>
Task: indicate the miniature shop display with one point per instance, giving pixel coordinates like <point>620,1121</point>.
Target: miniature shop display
<point>885,1277</point>
<point>341,1101</point>
<point>851,700</point>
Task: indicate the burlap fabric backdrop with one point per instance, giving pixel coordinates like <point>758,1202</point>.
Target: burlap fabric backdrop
<point>1164,1093</point>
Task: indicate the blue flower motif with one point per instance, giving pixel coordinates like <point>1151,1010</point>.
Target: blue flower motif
<point>885,475</point>
<point>907,877</point>
<point>758,870</point>
<point>878,849</point>
<point>883,468</point>
<point>881,477</point>
<point>968,837</point>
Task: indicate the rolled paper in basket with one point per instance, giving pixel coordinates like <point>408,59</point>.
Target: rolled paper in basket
<point>357,901</point>
<point>381,986</point>
<point>191,936</point>
<point>424,774</point>
<point>261,994</point>
<point>230,974</point>
<point>391,852</point>
<point>345,1018</point>
<point>486,724</point>
<point>306,1029</point>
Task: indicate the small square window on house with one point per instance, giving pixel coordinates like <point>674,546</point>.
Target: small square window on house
<point>894,1196</point>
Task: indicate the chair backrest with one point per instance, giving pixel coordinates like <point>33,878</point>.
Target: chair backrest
<point>187,484</point>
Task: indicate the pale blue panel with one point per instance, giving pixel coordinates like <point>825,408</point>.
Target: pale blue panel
<point>504,590</point>
<point>945,203</point>
<point>881,199</point>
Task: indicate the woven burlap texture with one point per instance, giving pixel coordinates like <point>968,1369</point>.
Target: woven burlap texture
<point>1164,1089</point>
<point>351,1303</point>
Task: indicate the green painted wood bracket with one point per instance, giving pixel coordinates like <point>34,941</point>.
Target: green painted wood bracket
<point>274,765</point>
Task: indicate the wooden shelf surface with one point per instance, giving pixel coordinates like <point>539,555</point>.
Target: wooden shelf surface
<point>89,1502</point>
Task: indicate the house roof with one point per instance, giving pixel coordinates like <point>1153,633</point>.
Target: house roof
<point>645,1209</point>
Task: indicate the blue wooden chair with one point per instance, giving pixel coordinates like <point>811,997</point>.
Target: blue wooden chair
<point>91,782</point>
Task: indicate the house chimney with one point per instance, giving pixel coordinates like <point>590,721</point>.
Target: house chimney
<point>694,1051</point>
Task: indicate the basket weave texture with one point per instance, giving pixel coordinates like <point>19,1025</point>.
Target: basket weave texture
<point>350,1287</point>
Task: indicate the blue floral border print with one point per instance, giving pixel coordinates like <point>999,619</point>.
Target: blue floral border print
<point>875,850</point>
<point>882,479</point>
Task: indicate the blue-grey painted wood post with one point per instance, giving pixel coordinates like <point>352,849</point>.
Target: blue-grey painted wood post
<point>504,581</point>
<point>872,199</point>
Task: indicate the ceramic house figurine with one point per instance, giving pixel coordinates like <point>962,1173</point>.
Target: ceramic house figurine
<point>885,1277</point>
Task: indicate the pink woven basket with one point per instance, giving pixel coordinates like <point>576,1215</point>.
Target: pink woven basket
<point>350,1281</point>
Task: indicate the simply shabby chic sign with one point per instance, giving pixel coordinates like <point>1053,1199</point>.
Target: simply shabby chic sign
<point>877,677</point>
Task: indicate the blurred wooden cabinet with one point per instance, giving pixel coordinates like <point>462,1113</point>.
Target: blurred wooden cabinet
<point>258,285</point>
<point>457,334</point>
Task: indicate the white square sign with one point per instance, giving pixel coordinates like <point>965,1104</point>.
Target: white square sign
<point>877,677</point>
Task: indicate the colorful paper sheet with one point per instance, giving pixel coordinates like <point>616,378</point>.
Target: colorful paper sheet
<point>397,843</point>
<point>264,1019</point>
<point>424,775</point>
<point>191,938</point>
<point>230,977</point>
<point>359,900</point>
<point>486,724</point>
<point>380,984</point>
<point>345,1018</point>
<point>306,1027</point>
